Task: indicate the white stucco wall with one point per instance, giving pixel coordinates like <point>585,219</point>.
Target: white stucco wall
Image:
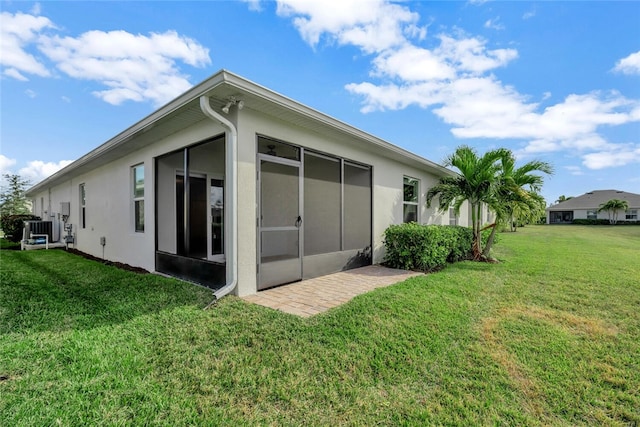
<point>109,200</point>
<point>109,206</point>
<point>582,214</point>
<point>387,177</point>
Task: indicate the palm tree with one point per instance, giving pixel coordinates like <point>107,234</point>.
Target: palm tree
<point>519,188</point>
<point>563,198</point>
<point>476,182</point>
<point>614,205</point>
<point>516,195</point>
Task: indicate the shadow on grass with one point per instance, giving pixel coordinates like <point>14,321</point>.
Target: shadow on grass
<point>56,291</point>
<point>8,245</point>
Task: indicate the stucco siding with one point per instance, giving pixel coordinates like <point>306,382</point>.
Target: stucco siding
<point>109,203</point>
<point>158,143</point>
<point>387,185</point>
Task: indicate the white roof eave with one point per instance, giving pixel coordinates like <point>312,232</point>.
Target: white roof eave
<point>209,87</point>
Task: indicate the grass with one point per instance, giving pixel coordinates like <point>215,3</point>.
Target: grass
<point>550,336</point>
<point>7,244</point>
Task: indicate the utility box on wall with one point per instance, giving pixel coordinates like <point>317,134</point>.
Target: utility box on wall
<point>65,208</point>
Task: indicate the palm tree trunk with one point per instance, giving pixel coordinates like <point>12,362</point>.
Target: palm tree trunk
<point>477,235</point>
<point>487,248</point>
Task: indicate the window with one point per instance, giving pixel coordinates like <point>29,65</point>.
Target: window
<point>138,198</point>
<point>217,216</point>
<point>322,204</point>
<point>410,200</point>
<point>83,217</point>
<point>592,214</point>
<point>631,214</point>
<point>453,218</point>
<point>357,206</point>
<point>276,148</point>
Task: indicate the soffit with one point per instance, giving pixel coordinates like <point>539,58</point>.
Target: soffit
<point>185,111</point>
<point>284,109</point>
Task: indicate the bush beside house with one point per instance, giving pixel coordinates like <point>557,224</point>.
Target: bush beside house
<point>582,221</point>
<point>420,247</point>
<point>12,225</point>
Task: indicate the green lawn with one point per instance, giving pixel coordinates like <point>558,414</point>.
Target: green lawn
<point>550,336</point>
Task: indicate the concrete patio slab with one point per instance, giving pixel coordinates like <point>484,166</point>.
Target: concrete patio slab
<point>314,296</point>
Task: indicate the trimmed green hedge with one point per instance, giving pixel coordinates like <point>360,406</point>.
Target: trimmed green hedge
<point>582,221</point>
<point>590,221</point>
<point>415,246</point>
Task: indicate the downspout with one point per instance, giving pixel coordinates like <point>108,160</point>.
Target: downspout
<point>231,210</point>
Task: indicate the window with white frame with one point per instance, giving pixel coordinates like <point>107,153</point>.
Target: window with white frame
<point>453,218</point>
<point>592,214</point>
<point>411,191</point>
<point>83,204</point>
<point>138,197</point>
<point>631,215</point>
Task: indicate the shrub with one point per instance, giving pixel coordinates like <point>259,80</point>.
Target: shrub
<point>12,225</point>
<point>600,221</point>
<point>426,247</point>
<point>584,221</point>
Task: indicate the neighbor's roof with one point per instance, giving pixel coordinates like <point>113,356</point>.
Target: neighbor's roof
<point>593,200</point>
<point>184,111</point>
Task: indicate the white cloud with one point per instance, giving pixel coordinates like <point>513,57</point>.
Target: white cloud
<point>574,170</point>
<point>629,65</point>
<point>31,94</point>
<point>37,170</point>
<point>66,99</point>
<point>254,5</point>
<point>5,164</point>
<point>494,24</point>
<point>470,54</point>
<point>451,74</point>
<point>529,15</point>
<point>619,155</point>
<point>488,109</point>
<point>452,59</point>
<point>12,72</point>
<point>17,31</point>
<point>453,80</point>
<point>372,25</point>
<point>412,63</point>
<point>132,67</point>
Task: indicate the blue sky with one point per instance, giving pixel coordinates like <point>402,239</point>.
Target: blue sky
<point>554,81</point>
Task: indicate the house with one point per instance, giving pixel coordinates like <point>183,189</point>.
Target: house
<point>239,188</point>
<point>587,205</point>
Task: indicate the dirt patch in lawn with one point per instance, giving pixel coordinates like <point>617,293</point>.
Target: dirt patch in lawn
<point>119,265</point>
<point>528,386</point>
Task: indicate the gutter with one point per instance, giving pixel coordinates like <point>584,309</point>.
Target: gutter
<point>231,212</point>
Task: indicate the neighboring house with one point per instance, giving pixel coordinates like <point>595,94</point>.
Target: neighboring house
<point>587,205</point>
<point>239,188</point>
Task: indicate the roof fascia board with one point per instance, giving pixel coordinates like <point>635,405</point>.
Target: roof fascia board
<point>141,126</point>
<point>255,89</point>
<point>225,77</point>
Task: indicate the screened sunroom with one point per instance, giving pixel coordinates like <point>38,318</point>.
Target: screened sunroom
<point>190,213</point>
<point>314,213</point>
